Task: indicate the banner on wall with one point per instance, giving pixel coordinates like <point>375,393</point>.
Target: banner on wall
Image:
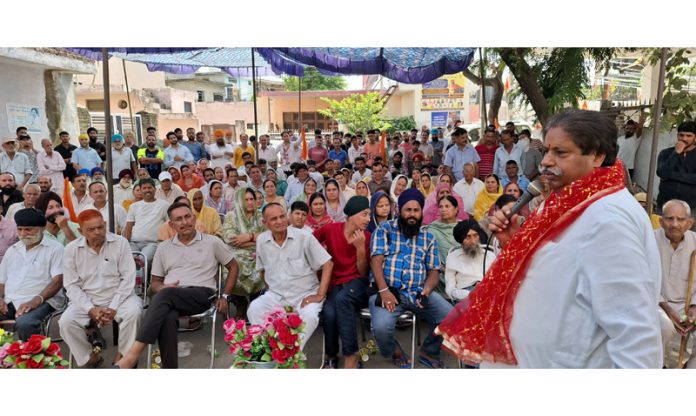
<point>28,116</point>
<point>445,93</point>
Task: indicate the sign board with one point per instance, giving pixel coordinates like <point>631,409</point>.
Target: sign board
<point>445,93</point>
<point>438,119</point>
<point>28,116</point>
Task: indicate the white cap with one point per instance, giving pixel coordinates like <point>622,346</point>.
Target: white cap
<point>164,176</point>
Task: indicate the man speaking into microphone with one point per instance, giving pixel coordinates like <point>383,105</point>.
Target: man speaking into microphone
<point>577,285</point>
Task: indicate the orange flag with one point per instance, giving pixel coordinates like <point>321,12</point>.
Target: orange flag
<point>584,105</point>
<point>67,200</point>
<point>304,145</point>
<point>383,146</point>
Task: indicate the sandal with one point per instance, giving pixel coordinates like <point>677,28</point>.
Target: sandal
<point>431,362</point>
<point>404,361</point>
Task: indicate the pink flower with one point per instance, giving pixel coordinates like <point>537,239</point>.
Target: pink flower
<point>255,330</point>
<point>246,345</point>
<point>229,337</point>
<point>228,325</point>
<point>239,325</point>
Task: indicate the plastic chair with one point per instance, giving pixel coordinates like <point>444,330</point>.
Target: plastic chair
<point>405,317</point>
<point>209,313</point>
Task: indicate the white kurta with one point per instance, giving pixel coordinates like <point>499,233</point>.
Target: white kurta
<point>589,299</point>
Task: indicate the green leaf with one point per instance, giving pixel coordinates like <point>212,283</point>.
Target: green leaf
<point>46,343</point>
<point>22,365</point>
<point>37,358</point>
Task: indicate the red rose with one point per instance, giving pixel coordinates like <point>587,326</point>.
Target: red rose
<point>15,349</point>
<point>278,356</point>
<point>294,321</point>
<point>287,338</point>
<point>273,343</point>
<point>53,349</point>
<point>33,346</point>
<point>33,364</point>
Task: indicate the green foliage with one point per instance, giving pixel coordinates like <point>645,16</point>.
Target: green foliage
<point>560,74</point>
<point>678,104</point>
<point>358,112</point>
<point>401,124</point>
<point>313,80</point>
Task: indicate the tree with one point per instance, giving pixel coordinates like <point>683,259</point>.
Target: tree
<point>358,112</point>
<point>678,103</point>
<point>496,67</point>
<point>552,79</point>
<point>313,80</point>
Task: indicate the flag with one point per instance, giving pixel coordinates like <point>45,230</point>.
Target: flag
<point>67,200</point>
<point>383,146</point>
<point>584,105</point>
<point>304,145</point>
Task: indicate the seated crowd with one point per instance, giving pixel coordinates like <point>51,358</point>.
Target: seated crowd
<point>346,229</point>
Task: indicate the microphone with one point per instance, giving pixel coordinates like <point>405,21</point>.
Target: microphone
<point>533,189</point>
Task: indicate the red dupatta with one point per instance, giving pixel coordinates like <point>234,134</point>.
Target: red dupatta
<point>478,328</point>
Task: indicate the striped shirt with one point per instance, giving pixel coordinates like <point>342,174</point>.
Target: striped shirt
<point>406,260</point>
<point>487,158</point>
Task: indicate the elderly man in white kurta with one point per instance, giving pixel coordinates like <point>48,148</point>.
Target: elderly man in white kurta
<point>676,243</point>
<point>289,260</point>
<point>52,165</point>
<point>31,275</point>
<point>99,276</point>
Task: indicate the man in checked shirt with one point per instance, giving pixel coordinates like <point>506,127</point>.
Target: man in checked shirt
<point>405,266</point>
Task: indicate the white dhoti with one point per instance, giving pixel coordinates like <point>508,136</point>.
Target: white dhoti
<point>73,321</point>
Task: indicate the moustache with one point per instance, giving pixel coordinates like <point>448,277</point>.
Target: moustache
<point>550,171</point>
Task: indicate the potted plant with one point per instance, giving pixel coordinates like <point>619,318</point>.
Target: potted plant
<point>275,344</point>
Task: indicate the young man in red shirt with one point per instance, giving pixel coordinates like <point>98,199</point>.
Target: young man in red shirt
<point>349,246</point>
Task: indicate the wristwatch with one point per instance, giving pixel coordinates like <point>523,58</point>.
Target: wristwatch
<point>226,297</point>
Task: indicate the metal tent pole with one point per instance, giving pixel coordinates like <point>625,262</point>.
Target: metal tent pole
<point>107,137</point>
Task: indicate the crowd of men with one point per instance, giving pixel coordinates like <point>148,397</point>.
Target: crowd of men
<point>415,228</point>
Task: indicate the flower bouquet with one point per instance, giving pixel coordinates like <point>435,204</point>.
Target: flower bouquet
<point>276,341</point>
<point>37,352</point>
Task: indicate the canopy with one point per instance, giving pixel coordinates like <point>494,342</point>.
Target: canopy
<point>408,65</point>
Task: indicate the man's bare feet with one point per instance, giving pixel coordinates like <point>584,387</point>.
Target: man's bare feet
<point>351,361</point>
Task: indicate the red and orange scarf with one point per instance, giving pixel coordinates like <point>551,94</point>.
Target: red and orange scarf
<point>478,328</point>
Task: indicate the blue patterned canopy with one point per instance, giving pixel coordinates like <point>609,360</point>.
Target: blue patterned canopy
<point>408,65</point>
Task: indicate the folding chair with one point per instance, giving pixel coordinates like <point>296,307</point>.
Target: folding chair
<point>209,313</point>
<point>405,317</point>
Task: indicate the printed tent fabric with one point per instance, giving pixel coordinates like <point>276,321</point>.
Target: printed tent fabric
<point>184,61</point>
<point>407,65</point>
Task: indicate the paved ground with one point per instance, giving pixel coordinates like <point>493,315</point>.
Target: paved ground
<point>200,357</point>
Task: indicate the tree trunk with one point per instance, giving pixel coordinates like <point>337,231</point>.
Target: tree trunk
<point>498,90</point>
<point>514,58</point>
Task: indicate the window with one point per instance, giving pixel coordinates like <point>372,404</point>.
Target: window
<point>218,97</point>
<point>250,126</point>
<point>201,96</point>
<point>95,105</point>
<point>311,121</point>
<point>187,107</point>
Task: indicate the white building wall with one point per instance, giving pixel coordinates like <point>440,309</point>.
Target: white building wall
<point>22,84</point>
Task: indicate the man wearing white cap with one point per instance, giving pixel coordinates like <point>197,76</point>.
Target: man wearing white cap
<point>168,191</point>
<point>16,163</point>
